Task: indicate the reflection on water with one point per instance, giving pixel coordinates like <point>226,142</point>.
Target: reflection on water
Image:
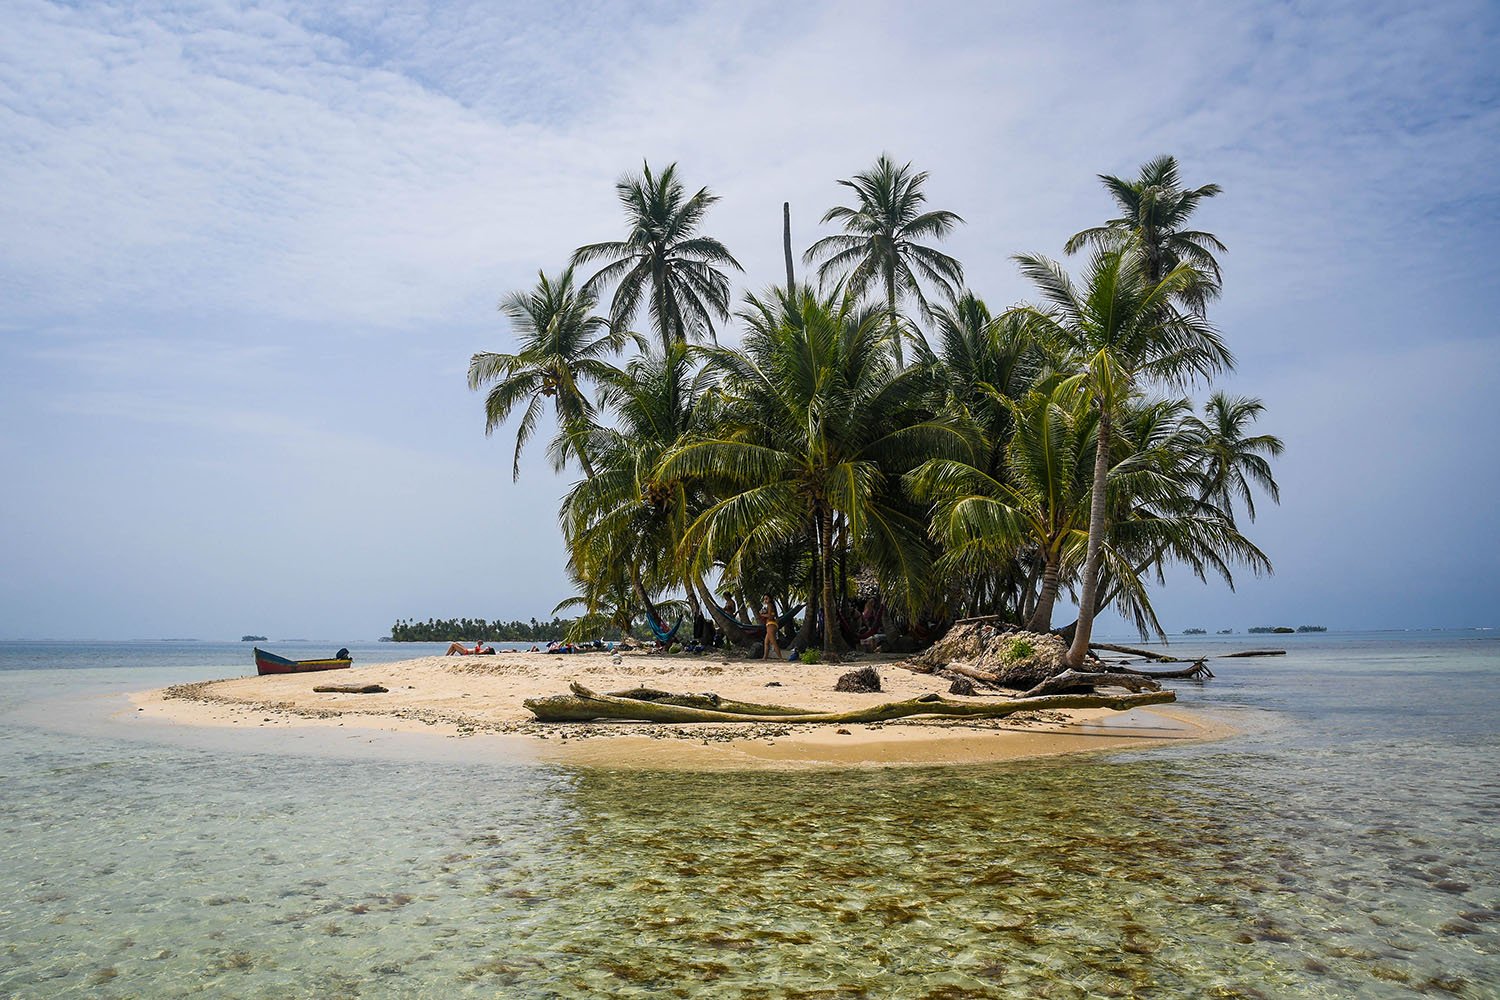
<point>1319,856</point>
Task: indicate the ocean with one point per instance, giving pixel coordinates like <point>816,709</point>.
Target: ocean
<point>1346,844</point>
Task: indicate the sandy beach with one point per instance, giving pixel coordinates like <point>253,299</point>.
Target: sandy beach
<point>480,698</point>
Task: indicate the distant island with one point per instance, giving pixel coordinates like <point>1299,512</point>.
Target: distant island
<point>1270,630</point>
<point>252,638</point>
<point>447,629</point>
<point>1226,631</point>
<point>1312,628</point>
<point>1194,631</point>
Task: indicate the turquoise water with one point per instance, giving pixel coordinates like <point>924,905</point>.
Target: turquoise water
<point>1348,844</point>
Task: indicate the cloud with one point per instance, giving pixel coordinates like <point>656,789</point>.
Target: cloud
<point>212,211</point>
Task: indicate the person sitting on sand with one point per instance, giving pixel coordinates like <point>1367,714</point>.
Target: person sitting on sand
<point>768,615</point>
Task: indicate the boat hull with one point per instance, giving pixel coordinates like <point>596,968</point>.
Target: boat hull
<point>270,663</point>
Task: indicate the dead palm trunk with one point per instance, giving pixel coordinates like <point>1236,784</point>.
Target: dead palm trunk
<point>1086,606</point>
<point>786,246</point>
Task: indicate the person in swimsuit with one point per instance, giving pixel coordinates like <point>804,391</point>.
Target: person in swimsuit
<point>768,615</point>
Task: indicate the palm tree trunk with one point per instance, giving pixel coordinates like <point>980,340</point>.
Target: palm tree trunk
<point>1086,606</point>
<point>659,292</point>
<point>890,303</point>
<point>830,651</point>
<point>1041,618</point>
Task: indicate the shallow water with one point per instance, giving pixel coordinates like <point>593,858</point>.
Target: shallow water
<point>1347,845</point>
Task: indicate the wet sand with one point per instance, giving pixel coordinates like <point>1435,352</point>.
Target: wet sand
<point>480,699</point>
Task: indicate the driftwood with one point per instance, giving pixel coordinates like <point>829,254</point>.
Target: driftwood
<point>1132,651</point>
<point>1072,680</point>
<point>984,677</point>
<point>1198,671</point>
<point>350,689</point>
<point>584,705</point>
<point>708,700</point>
<point>1258,652</point>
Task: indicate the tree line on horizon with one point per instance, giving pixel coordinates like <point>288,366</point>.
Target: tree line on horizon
<point>448,629</point>
<point>882,442</point>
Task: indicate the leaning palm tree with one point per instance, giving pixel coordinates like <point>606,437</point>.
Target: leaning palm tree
<point>1157,514</point>
<point>1154,209</point>
<point>879,241</point>
<point>1118,329</point>
<point>562,346</point>
<point>663,259</point>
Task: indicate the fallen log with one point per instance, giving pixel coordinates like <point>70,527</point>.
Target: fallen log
<point>350,689</point>
<point>1131,650</point>
<point>708,700</point>
<point>584,705</point>
<point>974,674</point>
<point>1257,652</point>
<point>1198,671</point>
<point>1071,680</point>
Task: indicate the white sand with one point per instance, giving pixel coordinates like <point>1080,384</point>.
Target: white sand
<point>481,697</point>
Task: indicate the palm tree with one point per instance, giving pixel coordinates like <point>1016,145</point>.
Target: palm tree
<point>562,345</point>
<point>879,241</point>
<point>1118,329</point>
<point>1233,460</point>
<point>664,258</point>
<point>1154,209</point>
<point>626,515</point>
<point>1157,513</point>
<point>819,424</point>
<point>1037,500</point>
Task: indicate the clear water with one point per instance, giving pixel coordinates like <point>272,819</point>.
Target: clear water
<point>1347,845</point>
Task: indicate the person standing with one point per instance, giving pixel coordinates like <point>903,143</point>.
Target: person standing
<point>768,616</point>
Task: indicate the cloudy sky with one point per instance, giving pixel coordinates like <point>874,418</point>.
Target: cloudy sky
<point>248,250</point>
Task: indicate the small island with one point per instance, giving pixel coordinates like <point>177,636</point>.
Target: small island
<point>252,638</point>
<point>1194,631</point>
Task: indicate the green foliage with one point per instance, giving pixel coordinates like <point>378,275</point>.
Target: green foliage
<point>1021,454</point>
<point>1018,650</point>
<point>811,656</point>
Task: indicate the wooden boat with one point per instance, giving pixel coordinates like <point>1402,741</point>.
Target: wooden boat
<point>270,663</point>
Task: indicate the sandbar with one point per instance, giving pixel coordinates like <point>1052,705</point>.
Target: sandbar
<point>480,699</point>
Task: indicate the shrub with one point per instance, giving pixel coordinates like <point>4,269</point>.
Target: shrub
<point>1019,649</point>
<point>811,656</point>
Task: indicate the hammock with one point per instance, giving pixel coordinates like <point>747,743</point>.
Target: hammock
<point>659,629</point>
<point>756,629</point>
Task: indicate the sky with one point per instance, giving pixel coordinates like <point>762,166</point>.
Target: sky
<point>248,251</point>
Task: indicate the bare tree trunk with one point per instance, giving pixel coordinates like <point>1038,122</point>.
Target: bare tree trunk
<point>1086,608</point>
<point>786,246</point>
<point>584,705</point>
